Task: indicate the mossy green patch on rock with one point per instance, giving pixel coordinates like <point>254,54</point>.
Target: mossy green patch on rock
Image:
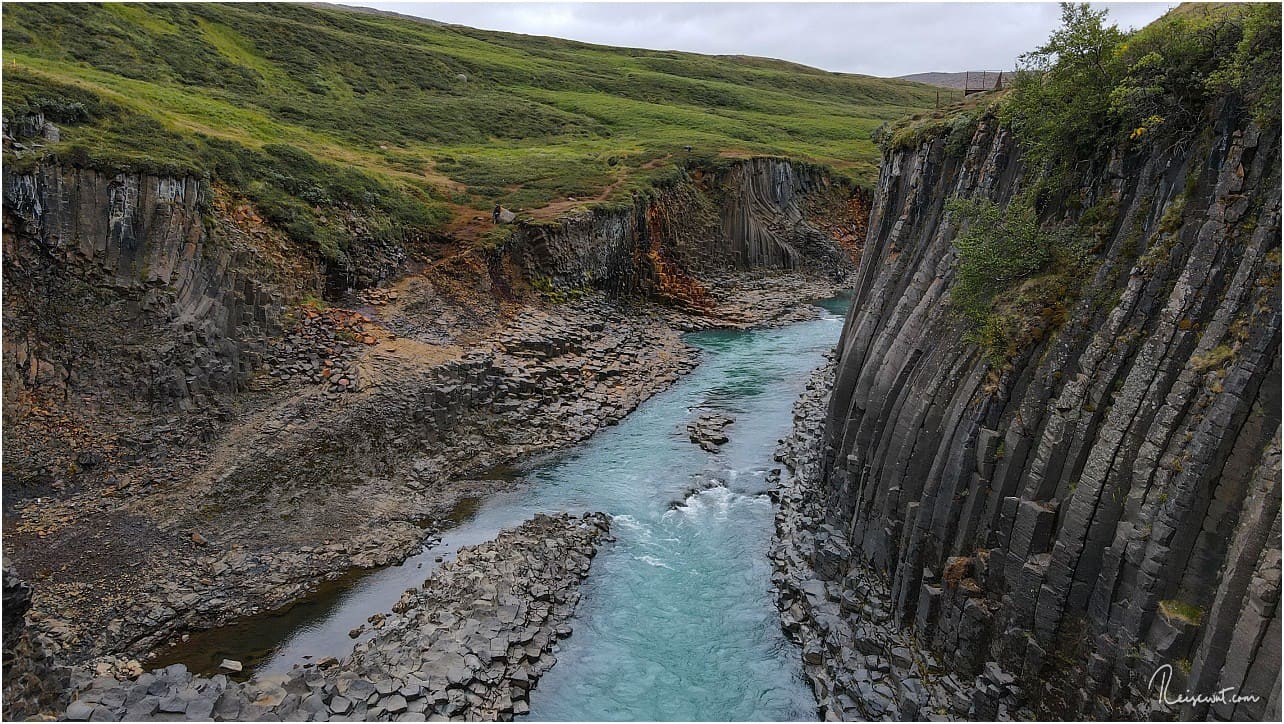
<point>1181,611</point>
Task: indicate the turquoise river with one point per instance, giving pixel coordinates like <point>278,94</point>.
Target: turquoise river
<point>676,620</point>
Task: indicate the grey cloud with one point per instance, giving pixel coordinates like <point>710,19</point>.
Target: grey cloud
<point>885,39</point>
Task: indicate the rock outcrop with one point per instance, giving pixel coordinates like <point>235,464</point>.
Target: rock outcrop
<point>33,681</point>
<point>118,282</point>
<point>764,218</point>
<point>860,665</point>
<point>129,298</point>
<point>709,431</point>
<point>1107,501</point>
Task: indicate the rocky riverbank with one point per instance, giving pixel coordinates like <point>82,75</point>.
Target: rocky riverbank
<point>860,664</point>
<point>205,420</point>
<point>376,468</point>
<point>468,645</point>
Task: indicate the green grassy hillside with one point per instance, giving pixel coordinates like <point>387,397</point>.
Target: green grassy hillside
<point>297,106</point>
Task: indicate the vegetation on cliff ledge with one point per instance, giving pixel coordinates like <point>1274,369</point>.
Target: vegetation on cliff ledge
<point>301,106</point>
<point>1015,276</point>
<point>1090,91</point>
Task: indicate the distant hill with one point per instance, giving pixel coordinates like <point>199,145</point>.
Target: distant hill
<point>941,80</point>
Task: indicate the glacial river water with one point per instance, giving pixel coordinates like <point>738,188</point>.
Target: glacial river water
<point>676,620</point>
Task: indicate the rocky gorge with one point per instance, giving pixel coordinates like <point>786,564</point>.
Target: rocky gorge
<point>236,441</point>
<point>703,434</point>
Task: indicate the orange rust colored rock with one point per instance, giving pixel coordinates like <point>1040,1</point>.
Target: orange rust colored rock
<point>674,283</point>
<point>956,569</point>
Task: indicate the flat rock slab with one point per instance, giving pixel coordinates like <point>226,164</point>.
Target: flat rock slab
<point>469,644</point>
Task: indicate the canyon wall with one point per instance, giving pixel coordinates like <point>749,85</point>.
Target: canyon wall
<point>135,283</point>
<point>116,282</point>
<point>128,297</point>
<point>1108,500</point>
<point>753,214</point>
<point>134,295</point>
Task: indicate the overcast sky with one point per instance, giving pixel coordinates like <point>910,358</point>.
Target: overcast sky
<point>885,39</point>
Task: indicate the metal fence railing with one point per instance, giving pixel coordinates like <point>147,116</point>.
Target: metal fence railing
<point>982,81</point>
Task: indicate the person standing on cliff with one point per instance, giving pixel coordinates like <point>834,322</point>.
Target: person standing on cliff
<point>495,213</point>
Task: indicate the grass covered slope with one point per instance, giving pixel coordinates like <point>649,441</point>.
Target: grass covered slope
<point>399,113</point>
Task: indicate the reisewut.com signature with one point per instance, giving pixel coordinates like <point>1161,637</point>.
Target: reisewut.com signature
<point>1163,677</point>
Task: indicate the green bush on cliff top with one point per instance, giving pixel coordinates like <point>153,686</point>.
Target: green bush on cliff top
<point>1090,88</point>
<point>1093,86</point>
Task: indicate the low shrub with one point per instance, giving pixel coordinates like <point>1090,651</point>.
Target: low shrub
<point>1014,278</point>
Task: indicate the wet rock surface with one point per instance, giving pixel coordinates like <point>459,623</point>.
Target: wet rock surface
<point>708,431</point>
<point>469,645</point>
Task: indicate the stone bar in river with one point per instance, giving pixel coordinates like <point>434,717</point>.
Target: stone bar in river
<point>469,644</point>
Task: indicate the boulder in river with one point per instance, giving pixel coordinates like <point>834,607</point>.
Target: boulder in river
<point>707,431</point>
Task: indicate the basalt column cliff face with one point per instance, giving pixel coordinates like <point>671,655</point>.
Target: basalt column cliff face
<point>1108,501</point>
<point>128,294</point>
<point>760,213</point>
<point>108,254</point>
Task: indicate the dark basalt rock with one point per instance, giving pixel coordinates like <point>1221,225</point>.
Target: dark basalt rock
<point>707,431</point>
<point>120,285</point>
<point>1110,500</point>
<point>758,219</point>
<point>17,600</point>
<point>33,680</point>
